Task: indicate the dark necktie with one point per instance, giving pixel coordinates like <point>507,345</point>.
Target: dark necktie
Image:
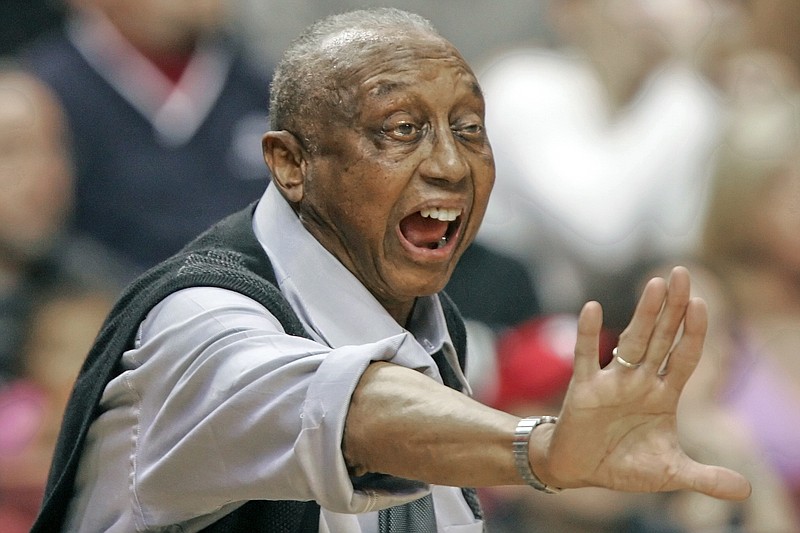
<point>419,516</point>
<point>412,517</point>
<point>471,495</point>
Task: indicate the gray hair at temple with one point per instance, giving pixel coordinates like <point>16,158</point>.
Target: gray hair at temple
<point>309,84</point>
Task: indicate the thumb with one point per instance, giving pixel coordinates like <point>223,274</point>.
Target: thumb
<point>715,481</point>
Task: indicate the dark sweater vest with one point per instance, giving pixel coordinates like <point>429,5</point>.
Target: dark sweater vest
<point>228,256</point>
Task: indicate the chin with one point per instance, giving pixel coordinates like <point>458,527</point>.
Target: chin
<point>432,286</point>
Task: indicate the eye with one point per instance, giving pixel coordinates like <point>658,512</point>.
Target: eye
<point>469,130</point>
<point>402,130</point>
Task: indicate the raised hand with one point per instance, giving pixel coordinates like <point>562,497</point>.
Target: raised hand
<point>617,427</point>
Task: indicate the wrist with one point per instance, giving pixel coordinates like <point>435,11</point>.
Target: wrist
<point>529,437</point>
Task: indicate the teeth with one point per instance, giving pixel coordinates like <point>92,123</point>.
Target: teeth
<point>441,213</point>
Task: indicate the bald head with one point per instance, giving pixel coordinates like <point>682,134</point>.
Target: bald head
<point>314,81</point>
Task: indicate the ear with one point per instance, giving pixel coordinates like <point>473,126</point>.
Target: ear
<point>286,159</point>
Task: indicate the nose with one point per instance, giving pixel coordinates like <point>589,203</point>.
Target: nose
<point>444,161</point>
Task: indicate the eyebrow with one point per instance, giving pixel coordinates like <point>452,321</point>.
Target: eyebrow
<point>387,87</point>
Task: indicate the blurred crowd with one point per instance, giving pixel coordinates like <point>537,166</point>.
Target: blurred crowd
<point>629,136</point>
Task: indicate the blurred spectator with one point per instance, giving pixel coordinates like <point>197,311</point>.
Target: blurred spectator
<point>603,142</point>
<point>36,250</point>
<point>748,235</point>
<point>166,118</point>
<point>751,242</point>
<point>62,328</point>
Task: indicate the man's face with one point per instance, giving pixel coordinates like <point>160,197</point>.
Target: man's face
<point>35,170</point>
<point>398,191</point>
<point>163,26</point>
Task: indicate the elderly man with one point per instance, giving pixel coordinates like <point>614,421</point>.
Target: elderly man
<point>297,369</point>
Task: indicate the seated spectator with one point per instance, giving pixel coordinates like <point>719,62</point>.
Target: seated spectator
<point>751,242</point>
<point>745,267</point>
<point>166,118</point>
<point>62,327</point>
<point>36,181</point>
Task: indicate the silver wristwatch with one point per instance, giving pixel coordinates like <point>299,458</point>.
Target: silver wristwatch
<point>522,437</point>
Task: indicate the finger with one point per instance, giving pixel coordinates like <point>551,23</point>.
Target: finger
<point>587,351</point>
<point>688,350</point>
<point>715,481</point>
<point>634,339</point>
<point>670,318</point>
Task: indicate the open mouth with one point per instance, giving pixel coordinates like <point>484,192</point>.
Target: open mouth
<point>431,228</point>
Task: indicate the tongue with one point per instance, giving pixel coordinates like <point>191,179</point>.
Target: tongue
<point>422,231</point>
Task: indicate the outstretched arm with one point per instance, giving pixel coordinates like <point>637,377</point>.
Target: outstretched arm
<point>617,427</point>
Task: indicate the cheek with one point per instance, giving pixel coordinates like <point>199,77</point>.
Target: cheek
<point>371,191</point>
<point>359,209</point>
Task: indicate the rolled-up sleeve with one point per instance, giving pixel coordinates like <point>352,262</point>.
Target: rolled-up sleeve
<point>227,407</point>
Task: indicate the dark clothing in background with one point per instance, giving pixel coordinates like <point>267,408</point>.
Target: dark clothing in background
<point>137,192</point>
<point>492,288</point>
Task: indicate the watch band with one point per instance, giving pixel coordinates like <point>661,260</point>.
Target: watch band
<point>522,436</point>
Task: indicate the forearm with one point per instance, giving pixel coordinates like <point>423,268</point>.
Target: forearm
<point>403,423</point>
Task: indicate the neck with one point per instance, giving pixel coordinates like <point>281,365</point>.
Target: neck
<point>401,312</point>
<point>171,65</point>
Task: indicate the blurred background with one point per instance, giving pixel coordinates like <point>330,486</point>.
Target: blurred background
<point>629,136</point>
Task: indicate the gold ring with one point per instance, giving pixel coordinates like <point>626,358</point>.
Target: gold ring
<point>623,362</point>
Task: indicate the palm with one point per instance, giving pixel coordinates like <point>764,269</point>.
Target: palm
<point>618,428</point>
<point>630,444</point>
